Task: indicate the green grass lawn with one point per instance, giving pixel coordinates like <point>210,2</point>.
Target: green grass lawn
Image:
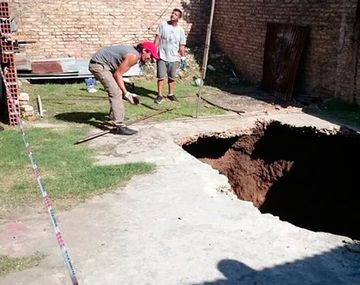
<point>73,104</point>
<point>341,112</point>
<point>68,171</point>
<point>11,264</point>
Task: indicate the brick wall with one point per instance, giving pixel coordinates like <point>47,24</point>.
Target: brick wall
<point>77,28</point>
<point>328,66</point>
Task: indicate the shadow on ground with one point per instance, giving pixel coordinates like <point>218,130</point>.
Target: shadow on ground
<point>132,87</point>
<point>337,266</point>
<point>95,119</point>
<point>231,90</point>
<point>223,78</point>
<point>98,119</point>
<point>337,112</point>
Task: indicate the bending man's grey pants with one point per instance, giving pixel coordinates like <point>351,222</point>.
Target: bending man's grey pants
<point>103,74</point>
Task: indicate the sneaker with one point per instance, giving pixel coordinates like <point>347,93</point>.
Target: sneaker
<point>159,99</point>
<point>123,130</point>
<point>172,97</point>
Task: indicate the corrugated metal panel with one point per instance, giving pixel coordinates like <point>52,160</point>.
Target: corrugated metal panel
<point>283,48</point>
<point>66,68</point>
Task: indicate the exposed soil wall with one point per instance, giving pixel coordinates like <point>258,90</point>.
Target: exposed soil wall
<point>302,175</point>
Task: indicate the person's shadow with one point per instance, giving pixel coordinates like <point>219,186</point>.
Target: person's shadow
<point>233,270</point>
<point>95,119</point>
<point>98,119</point>
<point>336,266</point>
<point>143,92</point>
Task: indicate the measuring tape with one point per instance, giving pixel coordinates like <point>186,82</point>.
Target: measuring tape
<point>40,183</point>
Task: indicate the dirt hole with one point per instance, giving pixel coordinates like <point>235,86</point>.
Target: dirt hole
<point>306,177</point>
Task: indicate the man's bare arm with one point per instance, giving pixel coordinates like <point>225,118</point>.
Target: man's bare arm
<point>157,40</point>
<point>182,50</point>
<point>129,60</point>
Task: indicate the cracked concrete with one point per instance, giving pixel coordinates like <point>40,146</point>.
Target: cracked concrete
<point>180,224</point>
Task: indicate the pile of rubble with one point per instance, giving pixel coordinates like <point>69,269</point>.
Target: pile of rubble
<point>191,71</point>
<point>220,69</point>
<point>26,109</point>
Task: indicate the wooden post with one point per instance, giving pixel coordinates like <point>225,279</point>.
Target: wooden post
<point>206,55</point>
<point>40,108</point>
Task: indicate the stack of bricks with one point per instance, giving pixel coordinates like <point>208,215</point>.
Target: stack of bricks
<point>8,65</point>
<point>27,111</point>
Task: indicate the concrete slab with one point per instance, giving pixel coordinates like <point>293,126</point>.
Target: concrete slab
<point>180,224</point>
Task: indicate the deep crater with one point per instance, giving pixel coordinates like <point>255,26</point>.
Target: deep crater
<point>305,176</point>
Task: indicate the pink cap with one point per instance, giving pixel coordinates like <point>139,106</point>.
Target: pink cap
<point>149,46</point>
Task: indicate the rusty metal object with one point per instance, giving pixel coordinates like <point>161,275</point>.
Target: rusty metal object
<point>283,49</point>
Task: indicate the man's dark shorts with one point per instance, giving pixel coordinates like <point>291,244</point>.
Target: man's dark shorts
<point>165,68</point>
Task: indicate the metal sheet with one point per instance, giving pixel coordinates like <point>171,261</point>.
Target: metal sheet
<point>283,49</point>
<point>65,68</point>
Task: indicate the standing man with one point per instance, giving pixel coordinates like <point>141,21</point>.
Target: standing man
<point>170,39</point>
<point>109,65</point>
